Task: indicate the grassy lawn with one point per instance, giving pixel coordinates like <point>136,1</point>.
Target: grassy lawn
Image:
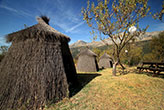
<point>102,91</point>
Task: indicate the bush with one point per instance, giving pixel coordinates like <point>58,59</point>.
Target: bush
<point>132,56</point>
<point>3,51</point>
<point>157,46</point>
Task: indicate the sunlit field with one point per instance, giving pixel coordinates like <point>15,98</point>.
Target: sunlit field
<point>102,91</point>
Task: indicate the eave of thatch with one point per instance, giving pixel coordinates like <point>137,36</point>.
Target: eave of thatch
<point>87,52</point>
<point>105,56</point>
<point>39,31</point>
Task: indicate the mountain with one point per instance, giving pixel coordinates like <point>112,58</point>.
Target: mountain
<point>81,43</point>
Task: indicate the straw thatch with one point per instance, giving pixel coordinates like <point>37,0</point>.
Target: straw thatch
<point>105,61</point>
<point>37,68</point>
<point>87,61</point>
<point>41,31</point>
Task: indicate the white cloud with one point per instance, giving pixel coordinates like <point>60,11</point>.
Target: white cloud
<point>62,15</point>
<point>70,15</point>
<point>3,41</point>
<point>66,21</point>
<point>20,12</point>
<point>74,27</point>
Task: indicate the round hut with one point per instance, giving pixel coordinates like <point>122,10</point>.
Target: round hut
<point>105,61</point>
<point>87,61</point>
<point>37,69</point>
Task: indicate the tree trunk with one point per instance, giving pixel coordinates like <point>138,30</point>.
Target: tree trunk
<point>122,66</point>
<point>114,68</point>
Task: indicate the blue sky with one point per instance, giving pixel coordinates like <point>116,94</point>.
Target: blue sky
<point>64,16</point>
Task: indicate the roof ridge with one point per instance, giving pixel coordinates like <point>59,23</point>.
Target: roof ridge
<point>33,32</point>
<point>87,52</point>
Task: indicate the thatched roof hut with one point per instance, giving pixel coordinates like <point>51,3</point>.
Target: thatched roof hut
<point>105,61</point>
<point>37,69</point>
<point>87,61</point>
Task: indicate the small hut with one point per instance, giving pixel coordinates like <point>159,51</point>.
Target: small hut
<point>105,61</point>
<point>37,69</point>
<point>87,61</point>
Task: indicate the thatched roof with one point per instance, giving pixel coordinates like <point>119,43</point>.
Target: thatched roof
<point>105,56</point>
<point>87,61</point>
<point>87,52</point>
<point>37,70</point>
<point>40,31</point>
<point>105,61</point>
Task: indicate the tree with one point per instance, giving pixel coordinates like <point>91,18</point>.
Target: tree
<point>115,20</point>
<point>157,46</point>
<point>161,12</point>
<point>3,51</point>
<point>159,15</point>
<point>149,57</point>
<point>97,51</point>
<point>132,54</point>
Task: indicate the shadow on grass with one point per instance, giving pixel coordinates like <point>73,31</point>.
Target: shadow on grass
<point>149,73</point>
<point>124,71</point>
<point>83,79</point>
<point>136,71</point>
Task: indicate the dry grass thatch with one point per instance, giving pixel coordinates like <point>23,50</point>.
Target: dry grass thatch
<point>40,31</point>
<point>87,61</point>
<point>37,69</point>
<point>105,61</point>
<point>87,52</point>
<point>45,19</point>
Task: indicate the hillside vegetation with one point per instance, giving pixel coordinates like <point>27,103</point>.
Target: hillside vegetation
<point>142,46</point>
<point>102,91</point>
<point>144,49</point>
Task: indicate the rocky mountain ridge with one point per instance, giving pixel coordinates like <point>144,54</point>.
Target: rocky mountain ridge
<point>81,43</point>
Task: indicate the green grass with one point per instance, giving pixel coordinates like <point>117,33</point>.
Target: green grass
<point>123,92</point>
